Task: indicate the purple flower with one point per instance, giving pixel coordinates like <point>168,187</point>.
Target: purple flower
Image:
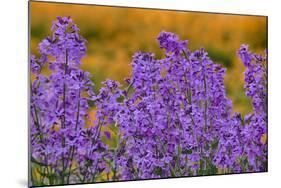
<point>171,42</point>
<point>172,118</point>
<point>59,110</point>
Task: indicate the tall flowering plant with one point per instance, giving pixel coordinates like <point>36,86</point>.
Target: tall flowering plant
<point>172,119</point>
<point>60,142</point>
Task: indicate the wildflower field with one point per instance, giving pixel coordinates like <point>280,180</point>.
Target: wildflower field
<point>126,94</point>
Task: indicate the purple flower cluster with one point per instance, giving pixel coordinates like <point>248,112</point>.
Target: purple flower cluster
<point>173,119</point>
<point>59,108</point>
<point>244,143</point>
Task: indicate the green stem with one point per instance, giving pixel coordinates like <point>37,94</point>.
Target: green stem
<point>64,114</point>
<point>128,88</point>
<point>205,106</point>
<point>72,149</point>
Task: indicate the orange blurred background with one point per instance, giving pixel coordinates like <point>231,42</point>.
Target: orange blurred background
<point>115,33</point>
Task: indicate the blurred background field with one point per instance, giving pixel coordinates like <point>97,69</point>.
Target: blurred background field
<point>114,34</point>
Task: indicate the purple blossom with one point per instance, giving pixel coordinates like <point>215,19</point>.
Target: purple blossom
<point>58,108</point>
<point>171,43</point>
<point>172,117</point>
